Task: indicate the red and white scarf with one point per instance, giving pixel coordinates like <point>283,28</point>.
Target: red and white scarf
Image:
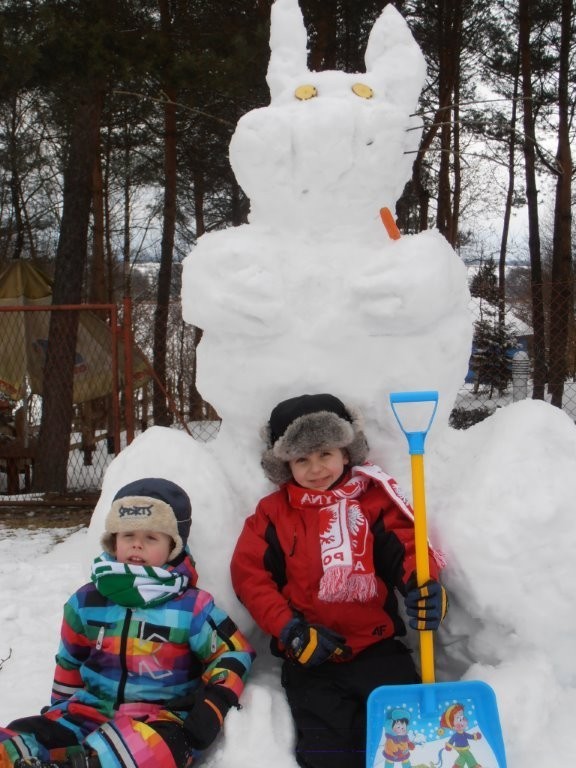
<point>346,542</point>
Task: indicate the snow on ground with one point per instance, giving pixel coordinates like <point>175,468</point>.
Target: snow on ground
<point>496,508</point>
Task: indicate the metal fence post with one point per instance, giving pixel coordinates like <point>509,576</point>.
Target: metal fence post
<point>520,374</point>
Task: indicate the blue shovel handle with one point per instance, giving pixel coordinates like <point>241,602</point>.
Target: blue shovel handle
<point>415,438</point>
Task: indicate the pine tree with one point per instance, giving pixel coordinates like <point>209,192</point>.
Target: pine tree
<point>484,284</point>
<point>490,359</point>
<point>493,341</point>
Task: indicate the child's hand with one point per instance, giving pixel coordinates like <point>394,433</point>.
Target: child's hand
<point>426,606</point>
<point>207,708</point>
<point>313,644</point>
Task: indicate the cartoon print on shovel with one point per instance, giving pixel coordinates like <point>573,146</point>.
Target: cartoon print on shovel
<point>398,744</point>
<point>454,719</point>
<point>412,738</point>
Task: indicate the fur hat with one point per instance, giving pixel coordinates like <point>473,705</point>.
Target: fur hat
<point>152,504</point>
<point>308,423</point>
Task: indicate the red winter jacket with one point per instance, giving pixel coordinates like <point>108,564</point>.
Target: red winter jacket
<point>276,568</point>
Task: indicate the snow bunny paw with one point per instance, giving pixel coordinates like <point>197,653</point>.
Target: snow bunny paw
<point>386,299</point>
<point>242,292</point>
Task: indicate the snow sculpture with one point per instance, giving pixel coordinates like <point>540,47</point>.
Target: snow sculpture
<point>313,294</point>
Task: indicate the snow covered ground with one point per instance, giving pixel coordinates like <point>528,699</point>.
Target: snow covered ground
<point>497,509</point>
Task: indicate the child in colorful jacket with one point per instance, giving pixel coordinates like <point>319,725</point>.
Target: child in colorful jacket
<point>148,666</point>
<point>319,564</point>
<point>397,746</point>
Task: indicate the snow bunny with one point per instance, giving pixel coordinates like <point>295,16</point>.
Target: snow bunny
<point>318,164</point>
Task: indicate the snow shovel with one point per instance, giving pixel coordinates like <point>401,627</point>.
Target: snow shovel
<point>429,724</point>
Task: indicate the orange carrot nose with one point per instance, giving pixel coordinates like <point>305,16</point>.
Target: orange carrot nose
<point>389,223</point>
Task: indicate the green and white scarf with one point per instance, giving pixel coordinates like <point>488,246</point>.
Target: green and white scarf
<point>136,586</point>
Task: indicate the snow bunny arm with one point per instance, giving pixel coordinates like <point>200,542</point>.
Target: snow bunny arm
<point>73,651</point>
<point>226,657</point>
<point>253,568</point>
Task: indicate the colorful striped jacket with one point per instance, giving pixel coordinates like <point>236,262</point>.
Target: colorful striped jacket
<point>110,655</point>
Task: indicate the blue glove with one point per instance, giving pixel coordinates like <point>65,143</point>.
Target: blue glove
<point>313,644</point>
<point>426,606</point>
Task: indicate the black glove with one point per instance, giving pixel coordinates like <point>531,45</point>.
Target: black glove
<point>426,606</point>
<point>207,707</point>
<point>312,644</point>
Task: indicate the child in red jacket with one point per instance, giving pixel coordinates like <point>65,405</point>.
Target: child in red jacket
<point>319,564</point>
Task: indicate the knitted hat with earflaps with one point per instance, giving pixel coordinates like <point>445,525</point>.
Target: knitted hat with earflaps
<point>447,719</point>
<point>152,504</point>
<point>308,423</point>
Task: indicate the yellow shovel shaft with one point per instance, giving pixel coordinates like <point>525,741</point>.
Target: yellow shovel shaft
<point>422,562</point>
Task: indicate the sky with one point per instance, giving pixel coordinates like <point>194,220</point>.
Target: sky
<point>312,295</point>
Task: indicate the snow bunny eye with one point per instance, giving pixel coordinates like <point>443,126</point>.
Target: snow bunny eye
<point>364,91</point>
<point>305,92</point>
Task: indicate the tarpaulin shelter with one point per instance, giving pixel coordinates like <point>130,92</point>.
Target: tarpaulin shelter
<point>24,339</point>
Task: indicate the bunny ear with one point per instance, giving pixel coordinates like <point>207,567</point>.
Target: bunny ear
<point>394,55</point>
<point>288,45</point>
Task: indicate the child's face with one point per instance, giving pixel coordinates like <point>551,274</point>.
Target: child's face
<point>320,469</point>
<point>143,547</point>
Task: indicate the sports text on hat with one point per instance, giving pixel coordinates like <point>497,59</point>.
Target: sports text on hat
<point>136,511</point>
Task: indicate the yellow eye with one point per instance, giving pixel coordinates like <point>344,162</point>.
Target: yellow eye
<point>364,91</point>
<point>305,92</point>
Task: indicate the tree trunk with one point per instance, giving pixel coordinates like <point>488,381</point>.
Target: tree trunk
<point>529,144</point>
<point>126,242</point>
<point>240,206</point>
<point>15,193</point>
<point>323,49</point>
<point>159,404</point>
<point>109,251</point>
<point>449,30</point>
<point>97,291</point>
<point>562,289</point>
<point>456,161</point>
<point>54,437</point>
<point>508,205</point>
<point>199,202</point>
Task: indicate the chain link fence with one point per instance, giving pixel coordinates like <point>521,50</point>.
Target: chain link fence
<point>501,367</point>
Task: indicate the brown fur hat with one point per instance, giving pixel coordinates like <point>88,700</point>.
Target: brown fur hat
<point>308,423</point>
